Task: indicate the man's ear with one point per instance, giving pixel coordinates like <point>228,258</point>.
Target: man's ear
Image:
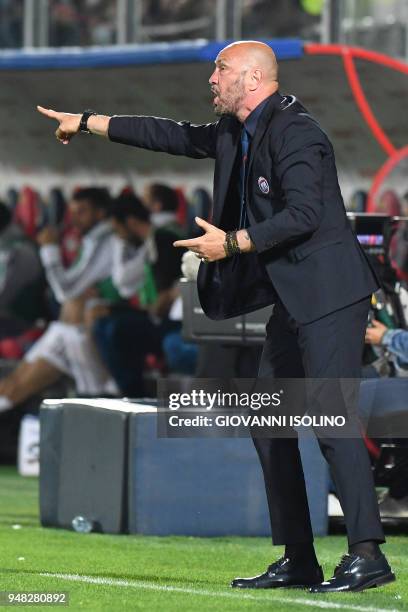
<point>256,78</point>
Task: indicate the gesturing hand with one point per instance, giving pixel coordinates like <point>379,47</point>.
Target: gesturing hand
<point>209,246</point>
<point>68,123</point>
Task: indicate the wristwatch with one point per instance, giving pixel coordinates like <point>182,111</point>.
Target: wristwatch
<point>83,124</point>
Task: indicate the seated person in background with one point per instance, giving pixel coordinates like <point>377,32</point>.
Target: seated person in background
<point>21,279</point>
<point>182,356</point>
<point>162,202</point>
<point>395,341</point>
<point>147,265</point>
<point>383,402</point>
<point>65,348</point>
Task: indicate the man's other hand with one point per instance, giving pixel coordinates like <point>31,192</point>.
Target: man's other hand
<point>48,235</point>
<point>68,123</point>
<point>209,246</point>
<point>374,335</point>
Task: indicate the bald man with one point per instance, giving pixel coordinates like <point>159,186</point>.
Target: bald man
<point>279,236</point>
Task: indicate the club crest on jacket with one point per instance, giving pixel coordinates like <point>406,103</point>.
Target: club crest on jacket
<point>263,184</point>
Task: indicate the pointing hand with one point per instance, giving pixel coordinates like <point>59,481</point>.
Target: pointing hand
<point>68,123</point>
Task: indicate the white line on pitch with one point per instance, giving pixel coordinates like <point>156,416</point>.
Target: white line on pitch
<point>139,584</point>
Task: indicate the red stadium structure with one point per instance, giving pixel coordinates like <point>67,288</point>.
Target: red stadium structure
<point>395,156</point>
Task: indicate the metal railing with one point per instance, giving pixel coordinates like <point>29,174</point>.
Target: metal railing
<point>58,23</point>
<point>378,25</point>
<point>375,24</point>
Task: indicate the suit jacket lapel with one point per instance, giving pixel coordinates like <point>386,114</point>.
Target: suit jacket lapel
<point>262,126</point>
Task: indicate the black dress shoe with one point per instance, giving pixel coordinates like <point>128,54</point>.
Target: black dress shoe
<point>283,573</point>
<point>355,573</point>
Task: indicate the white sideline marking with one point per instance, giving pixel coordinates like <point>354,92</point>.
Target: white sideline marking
<point>139,584</point>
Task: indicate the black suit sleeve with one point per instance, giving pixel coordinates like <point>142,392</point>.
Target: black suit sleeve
<point>157,134</point>
<point>298,165</point>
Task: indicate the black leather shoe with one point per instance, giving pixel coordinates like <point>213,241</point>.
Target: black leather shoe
<point>283,573</point>
<point>355,573</point>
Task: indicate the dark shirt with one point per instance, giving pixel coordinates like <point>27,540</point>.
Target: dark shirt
<point>251,121</point>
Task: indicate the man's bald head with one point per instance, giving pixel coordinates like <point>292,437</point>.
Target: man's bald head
<point>246,72</point>
<point>254,54</point>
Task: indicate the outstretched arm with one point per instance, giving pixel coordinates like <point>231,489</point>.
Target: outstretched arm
<point>154,133</point>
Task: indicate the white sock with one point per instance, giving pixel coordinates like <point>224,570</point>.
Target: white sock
<point>5,403</point>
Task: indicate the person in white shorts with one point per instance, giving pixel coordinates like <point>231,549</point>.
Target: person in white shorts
<point>66,348</point>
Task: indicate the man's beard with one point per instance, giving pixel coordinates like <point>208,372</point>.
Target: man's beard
<point>230,102</point>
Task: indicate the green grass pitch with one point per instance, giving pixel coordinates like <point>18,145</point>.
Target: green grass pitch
<point>114,573</point>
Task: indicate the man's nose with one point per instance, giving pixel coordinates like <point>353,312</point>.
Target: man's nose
<point>213,78</point>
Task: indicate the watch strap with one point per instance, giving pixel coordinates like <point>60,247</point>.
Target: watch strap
<point>83,124</point>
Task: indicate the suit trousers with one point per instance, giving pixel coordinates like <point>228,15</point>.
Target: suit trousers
<point>328,348</point>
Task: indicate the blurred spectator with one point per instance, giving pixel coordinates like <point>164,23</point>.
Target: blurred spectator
<point>162,202</point>
<point>65,348</point>
<point>65,27</point>
<point>201,204</point>
<point>89,211</point>
<point>395,341</point>
<point>389,204</point>
<point>11,198</point>
<point>398,249</point>
<point>29,211</point>
<point>167,12</point>
<point>358,201</point>
<point>101,21</point>
<point>21,279</point>
<point>11,23</point>
<point>288,18</point>
<point>146,264</point>
<point>300,18</point>
<point>83,22</point>
<point>181,356</point>
<point>57,208</point>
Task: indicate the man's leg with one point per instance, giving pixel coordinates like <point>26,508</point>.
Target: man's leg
<point>42,365</point>
<point>283,472</point>
<point>123,340</point>
<point>331,349</point>
<point>85,365</point>
<point>280,456</point>
<point>27,380</point>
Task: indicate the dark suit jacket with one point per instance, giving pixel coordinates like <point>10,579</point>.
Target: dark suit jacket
<point>306,252</point>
